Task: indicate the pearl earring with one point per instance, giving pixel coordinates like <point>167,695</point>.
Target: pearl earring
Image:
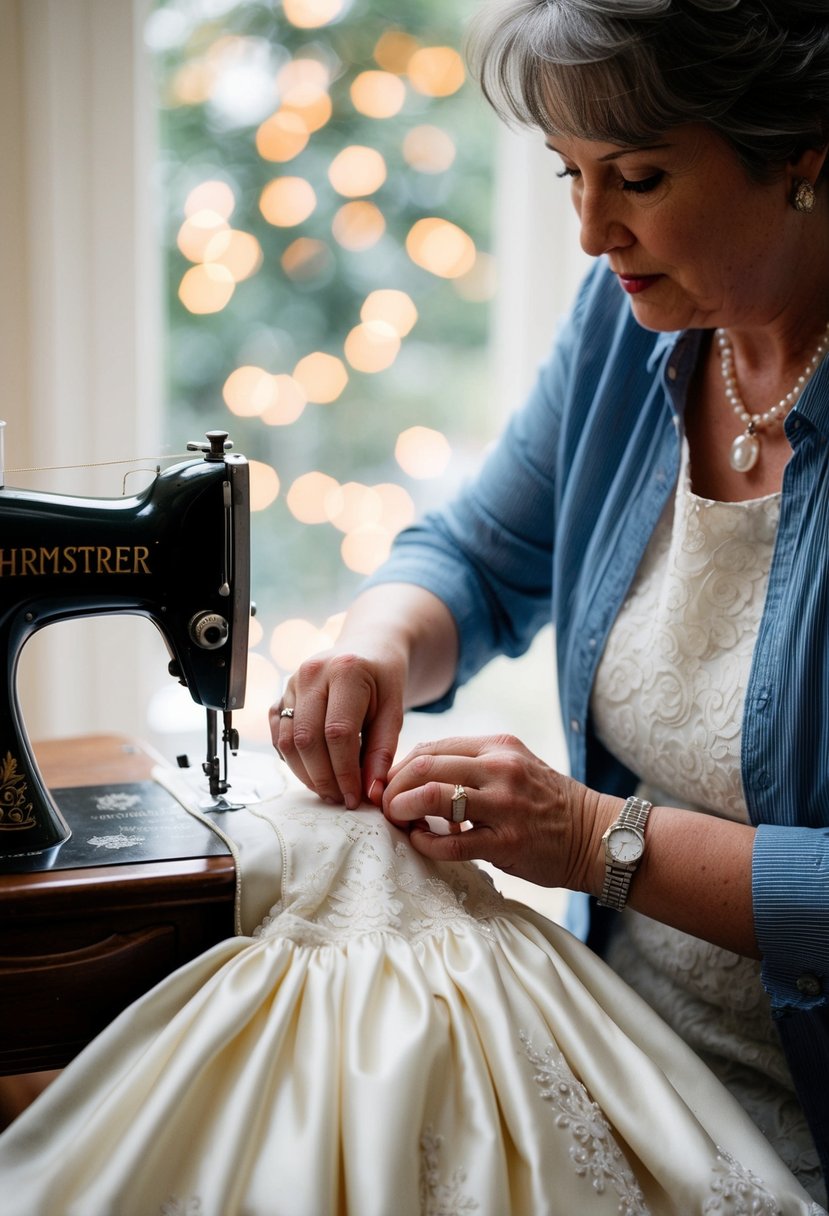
<point>803,195</point>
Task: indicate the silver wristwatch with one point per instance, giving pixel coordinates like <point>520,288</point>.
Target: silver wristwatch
<point>624,846</point>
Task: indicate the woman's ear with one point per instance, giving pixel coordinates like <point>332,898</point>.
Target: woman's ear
<point>809,164</point>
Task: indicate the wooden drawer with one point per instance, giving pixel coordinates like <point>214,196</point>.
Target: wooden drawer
<point>78,946</point>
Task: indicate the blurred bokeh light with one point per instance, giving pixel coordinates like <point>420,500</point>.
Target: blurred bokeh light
<point>441,247</point>
<point>422,452</point>
<point>378,94</point>
<point>357,171</point>
<point>287,201</point>
<point>437,71</point>
<point>206,288</point>
<point>358,225</point>
<point>372,346</point>
<point>311,14</point>
<point>429,149</point>
<point>322,377</point>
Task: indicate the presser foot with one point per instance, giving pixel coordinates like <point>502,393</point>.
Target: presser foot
<point>215,768</point>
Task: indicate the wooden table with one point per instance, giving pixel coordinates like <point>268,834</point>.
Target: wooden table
<point>79,945</point>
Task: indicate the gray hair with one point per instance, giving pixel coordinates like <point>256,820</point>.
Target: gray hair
<point>625,71</point>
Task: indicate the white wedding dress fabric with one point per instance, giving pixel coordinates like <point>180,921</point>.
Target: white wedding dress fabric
<point>392,1039</point>
<point>668,702</point>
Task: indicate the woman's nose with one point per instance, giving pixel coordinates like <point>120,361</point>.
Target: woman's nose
<point>602,229</point>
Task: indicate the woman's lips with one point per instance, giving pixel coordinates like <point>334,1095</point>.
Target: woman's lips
<point>634,283</point>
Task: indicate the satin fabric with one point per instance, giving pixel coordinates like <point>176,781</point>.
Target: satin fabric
<point>394,1039</point>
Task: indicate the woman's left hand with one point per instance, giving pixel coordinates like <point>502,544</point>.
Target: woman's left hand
<point>526,818</point>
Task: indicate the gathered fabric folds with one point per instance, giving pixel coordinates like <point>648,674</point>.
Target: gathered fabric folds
<point>393,1039</point>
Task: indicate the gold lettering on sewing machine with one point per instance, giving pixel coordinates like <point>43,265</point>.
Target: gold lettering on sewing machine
<point>74,559</point>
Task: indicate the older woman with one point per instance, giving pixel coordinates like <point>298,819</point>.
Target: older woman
<point>664,497</point>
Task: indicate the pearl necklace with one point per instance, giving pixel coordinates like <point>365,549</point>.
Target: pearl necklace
<point>746,447</point>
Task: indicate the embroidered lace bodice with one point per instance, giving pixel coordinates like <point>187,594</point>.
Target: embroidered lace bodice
<point>668,695</point>
<point>668,702</point>
<point>341,879</point>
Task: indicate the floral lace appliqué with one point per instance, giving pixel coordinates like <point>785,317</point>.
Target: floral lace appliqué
<point>441,1198</point>
<point>181,1207</point>
<point>594,1153</point>
<point>736,1191</point>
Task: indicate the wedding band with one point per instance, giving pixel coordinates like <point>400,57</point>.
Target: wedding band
<point>286,713</point>
<point>459,804</point>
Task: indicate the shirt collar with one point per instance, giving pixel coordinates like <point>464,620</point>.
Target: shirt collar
<point>813,403</point>
<point>662,343</point>
<point>677,352</point>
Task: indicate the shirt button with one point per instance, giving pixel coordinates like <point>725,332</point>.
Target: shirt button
<point>672,372</point>
<point>809,985</point>
<point>574,725</point>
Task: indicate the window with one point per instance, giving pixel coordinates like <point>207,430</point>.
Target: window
<point>326,186</point>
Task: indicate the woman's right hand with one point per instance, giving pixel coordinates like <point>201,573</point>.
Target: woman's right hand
<point>398,648</point>
<point>347,714</point>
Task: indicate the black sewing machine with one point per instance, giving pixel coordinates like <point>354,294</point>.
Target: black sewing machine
<point>178,553</point>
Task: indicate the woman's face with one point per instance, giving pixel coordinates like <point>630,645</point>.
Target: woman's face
<point>694,240</point>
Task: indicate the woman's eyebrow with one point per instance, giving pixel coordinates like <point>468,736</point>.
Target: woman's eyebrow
<point>620,152</point>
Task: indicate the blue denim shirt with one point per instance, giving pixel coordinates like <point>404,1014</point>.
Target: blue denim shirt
<point>554,527</point>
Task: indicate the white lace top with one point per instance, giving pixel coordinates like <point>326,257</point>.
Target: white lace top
<point>668,702</point>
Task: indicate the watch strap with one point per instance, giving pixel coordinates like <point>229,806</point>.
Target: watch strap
<point>617,878</point>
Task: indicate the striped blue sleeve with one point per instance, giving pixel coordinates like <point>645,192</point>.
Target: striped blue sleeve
<point>790,888</point>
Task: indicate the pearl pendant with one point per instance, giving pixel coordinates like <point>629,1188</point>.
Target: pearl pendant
<point>744,452</point>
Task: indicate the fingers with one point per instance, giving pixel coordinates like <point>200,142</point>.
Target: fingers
<point>511,804</point>
<point>328,738</point>
<point>380,737</point>
<point>321,745</point>
<point>459,745</point>
<point>337,729</point>
<point>432,786</point>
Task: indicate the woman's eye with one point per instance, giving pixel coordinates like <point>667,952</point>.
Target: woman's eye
<point>642,185</point>
<point>565,172</point>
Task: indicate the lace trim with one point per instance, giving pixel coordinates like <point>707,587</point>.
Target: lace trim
<point>181,1207</point>
<point>595,1153</point>
<point>738,1191</point>
<point>439,1198</point>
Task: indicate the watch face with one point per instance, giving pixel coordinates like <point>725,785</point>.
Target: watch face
<point>625,845</point>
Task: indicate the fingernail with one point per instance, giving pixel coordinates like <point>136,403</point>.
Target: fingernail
<point>371,788</point>
<point>351,802</point>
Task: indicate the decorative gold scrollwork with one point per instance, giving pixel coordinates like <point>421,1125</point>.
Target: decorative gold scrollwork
<point>15,811</point>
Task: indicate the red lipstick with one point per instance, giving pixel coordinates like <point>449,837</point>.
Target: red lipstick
<point>633,283</point>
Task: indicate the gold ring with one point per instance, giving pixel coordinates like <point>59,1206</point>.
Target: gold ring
<point>459,801</point>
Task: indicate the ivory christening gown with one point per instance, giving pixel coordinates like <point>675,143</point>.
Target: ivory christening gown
<point>392,1039</point>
